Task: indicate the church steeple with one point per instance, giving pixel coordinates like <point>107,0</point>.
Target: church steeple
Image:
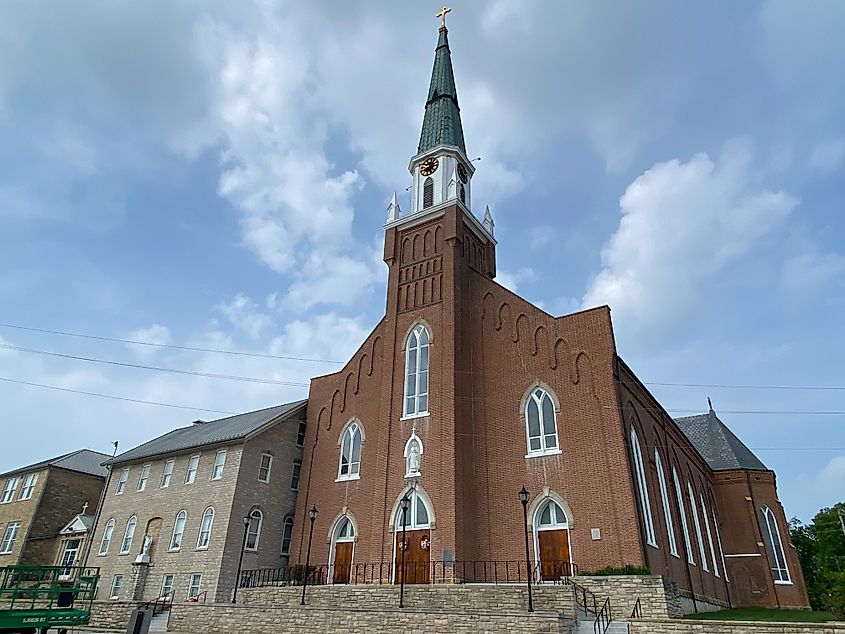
<point>442,121</point>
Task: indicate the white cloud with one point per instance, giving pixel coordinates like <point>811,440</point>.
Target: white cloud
<point>326,279</point>
<point>155,334</point>
<point>512,279</point>
<point>682,224</point>
<point>807,274</point>
<point>828,156</point>
<point>243,313</point>
<point>541,235</point>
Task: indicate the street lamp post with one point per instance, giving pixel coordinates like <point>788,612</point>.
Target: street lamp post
<point>405,504</point>
<point>241,560</point>
<point>523,497</point>
<point>312,515</point>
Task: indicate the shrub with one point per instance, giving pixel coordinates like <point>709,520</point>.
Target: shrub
<point>609,571</point>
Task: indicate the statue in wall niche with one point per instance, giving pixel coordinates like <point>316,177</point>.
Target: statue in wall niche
<point>148,542</point>
<point>414,458</point>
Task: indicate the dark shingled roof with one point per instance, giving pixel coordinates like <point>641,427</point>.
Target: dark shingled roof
<point>442,121</point>
<point>717,444</point>
<point>81,460</point>
<point>213,432</point>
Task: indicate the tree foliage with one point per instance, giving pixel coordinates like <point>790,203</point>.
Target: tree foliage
<point>821,550</point>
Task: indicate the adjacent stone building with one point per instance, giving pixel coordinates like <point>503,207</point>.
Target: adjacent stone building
<point>464,392</point>
<point>36,502</point>
<point>172,520</point>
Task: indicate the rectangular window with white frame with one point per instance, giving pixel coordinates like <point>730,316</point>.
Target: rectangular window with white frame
<point>194,586</point>
<point>219,463</point>
<point>294,478</point>
<point>166,587</point>
<point>265,468</point>
<point>9,538</point>
<point>167,474</point>
<point>28,487</point>
<point>121,483</point>
<point>116,584</point>
<point>144,477</point>
<point>193,466</point>
<point>9,490</point>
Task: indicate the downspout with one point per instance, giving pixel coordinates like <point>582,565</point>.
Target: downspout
<point>760,533</point>
<point>99,510</point>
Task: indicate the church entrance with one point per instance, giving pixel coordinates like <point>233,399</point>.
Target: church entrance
<point>551,530</point>
<point>414,541</point>
<point>69,555</point>
<point>343,545</point>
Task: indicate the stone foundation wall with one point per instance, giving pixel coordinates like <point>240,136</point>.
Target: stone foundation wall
<point>225,618</point>
<point>659,596</point>
<point>112,614</point>
<point>689,626</point>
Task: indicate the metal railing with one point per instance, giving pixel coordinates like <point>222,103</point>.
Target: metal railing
<point>47,587</point>
<point>588,603</point>
<point>603,618</point>
<point>637,612</point>
<point>161,604</point>
<point>388,572</point>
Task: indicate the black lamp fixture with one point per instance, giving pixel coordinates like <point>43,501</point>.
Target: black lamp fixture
<point>312,515</point>
<point>247,520</point>
<point>523,498</point>
<point>404,504</point>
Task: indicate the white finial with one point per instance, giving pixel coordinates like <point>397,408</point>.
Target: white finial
<point>393,210</point>
<point>488,220</point>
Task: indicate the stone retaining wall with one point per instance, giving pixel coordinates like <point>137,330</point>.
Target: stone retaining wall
<point>452,597</point>
<point>112,614</point>
<point>690,626</point>
<point>226,618</point>
<point>659,596</point>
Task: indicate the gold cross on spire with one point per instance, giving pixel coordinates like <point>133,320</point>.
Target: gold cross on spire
<point>442,15</point>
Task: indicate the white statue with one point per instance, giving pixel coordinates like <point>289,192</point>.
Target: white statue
<point>145,549</point>
<point>414,458</point>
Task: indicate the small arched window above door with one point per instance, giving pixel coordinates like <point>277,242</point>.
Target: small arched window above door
<point>551,516</point>
<point>417,515</point>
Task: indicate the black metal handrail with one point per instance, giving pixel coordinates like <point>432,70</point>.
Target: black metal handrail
<point>587,601</point>
<point>388,572</point>
<point>637,612</point>
<point>160,604</point>
<point>603,618</point>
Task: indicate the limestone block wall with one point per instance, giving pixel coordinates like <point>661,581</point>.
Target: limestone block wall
<point>225,618</point>
<point>111,614</point>
<point>659,596</point>
<point>667,626</point>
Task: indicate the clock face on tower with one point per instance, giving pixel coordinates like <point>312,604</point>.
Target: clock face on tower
<point>462,173</point>
<point>429,166</point>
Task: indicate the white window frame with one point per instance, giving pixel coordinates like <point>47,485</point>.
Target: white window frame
<point>219,464</point>
<point>414,522</point>
<point>254,514</point>
<point>295,475</point>
<point>178,529</point>
<point>268,468</point>
<point>128,534</point>
<point>28,486</point>
<point>353,435</point>
<point>413,392</point>
<point>167,474</point>
<point>287,536</point>
<point>697,523</point>
<point>167,588</point>
<point>683,511</point>
<point>116,585</point>
<point>10,536</point>
<point>706,517</point>
<point>667,508</point>
<point>206,524</point>
<point>193,468</point>
<point>642,485</point>
<point>144,477</point>
<point>194,585</point>
<point>780,575</point>
<point>537,396</point>
<point>300,434</point>
<point>9,490</point>
<point>105,541</point>
<point>121,483</point>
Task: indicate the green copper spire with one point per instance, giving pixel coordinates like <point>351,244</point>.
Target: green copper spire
<point>442,121</point>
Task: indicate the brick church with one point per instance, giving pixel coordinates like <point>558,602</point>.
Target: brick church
<point>464,392</point>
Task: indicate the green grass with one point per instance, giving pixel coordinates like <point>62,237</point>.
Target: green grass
<point>764,614</point>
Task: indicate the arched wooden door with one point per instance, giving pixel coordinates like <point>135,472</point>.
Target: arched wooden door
<point>552,541</point>
<point>342,551</point>
<point>414,541</point>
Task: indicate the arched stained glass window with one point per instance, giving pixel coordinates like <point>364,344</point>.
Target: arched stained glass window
<point>774,546</point>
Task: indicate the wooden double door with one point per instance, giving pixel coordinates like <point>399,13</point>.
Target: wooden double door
<point>417,549</point>
<point>342,562</point>
<point>554,554</point>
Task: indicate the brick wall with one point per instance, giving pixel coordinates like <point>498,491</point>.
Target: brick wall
<point>225,618</point>
<point>659,626</point>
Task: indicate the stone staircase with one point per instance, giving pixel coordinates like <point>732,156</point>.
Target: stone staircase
<point>586,624</point>
<point>159,622</point>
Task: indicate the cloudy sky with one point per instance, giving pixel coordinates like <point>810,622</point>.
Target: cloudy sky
<point>215,175</point>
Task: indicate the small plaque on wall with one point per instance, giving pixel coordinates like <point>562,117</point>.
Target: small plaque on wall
<point>595,533</point>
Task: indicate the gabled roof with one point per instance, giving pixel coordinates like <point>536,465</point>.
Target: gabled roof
<point>717,444</point>
<point>201,433</point>
<point>79,524</point>
<point>442,121</point>
<point>81,460</point>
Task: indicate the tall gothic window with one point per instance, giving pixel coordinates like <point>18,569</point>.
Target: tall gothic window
<point>683,511</point>
<point>774,546</point>
<point>540,423</point>
<point>648,521</point>
<point>428,192</point>
<point>205,528</point>
<point>350,453</point>
<point>697,523</point>
<point>709,535</point>
<point>667,509</point>
<point>416,372</point>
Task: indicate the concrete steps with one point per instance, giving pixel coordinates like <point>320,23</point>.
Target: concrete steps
<point>159,622</point>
